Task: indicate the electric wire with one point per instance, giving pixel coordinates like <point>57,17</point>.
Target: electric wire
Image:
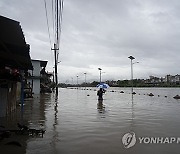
<point>60,19</point>
<point>52,9</point>
<point>48,27</point>
<point>47,22</point>
<point>60,10</point>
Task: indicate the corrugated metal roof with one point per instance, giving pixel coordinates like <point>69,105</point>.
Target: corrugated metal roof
<point>14,51</point>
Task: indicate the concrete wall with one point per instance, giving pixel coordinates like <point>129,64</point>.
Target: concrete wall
<point>37,68</point>
<point>36,86</point>
<point>35,81</point>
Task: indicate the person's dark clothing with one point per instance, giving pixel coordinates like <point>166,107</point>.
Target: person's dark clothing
<point>100,93</point>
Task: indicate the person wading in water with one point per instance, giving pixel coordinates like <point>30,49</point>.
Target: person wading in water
<point>100,94</point>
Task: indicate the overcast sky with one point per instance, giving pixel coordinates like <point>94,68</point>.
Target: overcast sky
<point>103,33</point>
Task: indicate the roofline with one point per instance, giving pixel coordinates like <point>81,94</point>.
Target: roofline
<point>43,63</point>
<point>39,60</point>
<point>9,19</point>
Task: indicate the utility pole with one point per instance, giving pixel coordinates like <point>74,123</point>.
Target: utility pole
<point>56,78</point>
<point>56,43</point>
<point>55,47</point>
<point>55,66</point>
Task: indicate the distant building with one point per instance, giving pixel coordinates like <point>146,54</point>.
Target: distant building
<point>172,79</point>
<point>112,83</point>
<point>153,80</point>
<point>167,78</point>
<point>14,62</point>
<point>38,79</point>
<point>36,74</point>
<point>177,79</point>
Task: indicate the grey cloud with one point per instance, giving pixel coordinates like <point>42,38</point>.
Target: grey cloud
<point>104,33</point>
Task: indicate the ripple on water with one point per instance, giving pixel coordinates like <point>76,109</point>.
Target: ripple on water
<point>75,123</point>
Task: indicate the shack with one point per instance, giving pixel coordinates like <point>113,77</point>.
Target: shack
<point>14,62</point>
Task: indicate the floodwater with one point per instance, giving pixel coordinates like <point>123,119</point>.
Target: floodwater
<point>76,123</point>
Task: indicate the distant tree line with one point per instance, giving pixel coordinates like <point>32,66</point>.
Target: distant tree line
<point>124,83</point>
<point>142,83</point>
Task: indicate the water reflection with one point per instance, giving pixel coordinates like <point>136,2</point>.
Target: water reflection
<point>100,106</point>
<point>32,116</point>
<point>73,127</point>
<point>132,113</point>
<point>56,110</point>
<point>55,135</point>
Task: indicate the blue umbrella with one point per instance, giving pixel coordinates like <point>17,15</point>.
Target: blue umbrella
<point>102,85</point>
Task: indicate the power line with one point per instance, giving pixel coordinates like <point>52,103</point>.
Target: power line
<point>60,17</point>
<point>47,22</point>
<point>59,28</point>
<point>52,9</point>
<point>57,23</point>
<point>58,20</point>
<point>58,7</point>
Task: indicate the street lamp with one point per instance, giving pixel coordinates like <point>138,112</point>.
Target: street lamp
<point>100,74</point>
<point>72,80</point>
<point>85,79</point>
<point>131,58</point>
<point>77,80</point>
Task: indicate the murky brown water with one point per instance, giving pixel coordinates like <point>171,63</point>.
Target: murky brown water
<point>76,123</point>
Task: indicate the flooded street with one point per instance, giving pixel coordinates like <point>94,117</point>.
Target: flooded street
<point>76,123</point>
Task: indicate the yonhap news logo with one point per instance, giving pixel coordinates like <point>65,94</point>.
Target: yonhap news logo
<point>130,139</point>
